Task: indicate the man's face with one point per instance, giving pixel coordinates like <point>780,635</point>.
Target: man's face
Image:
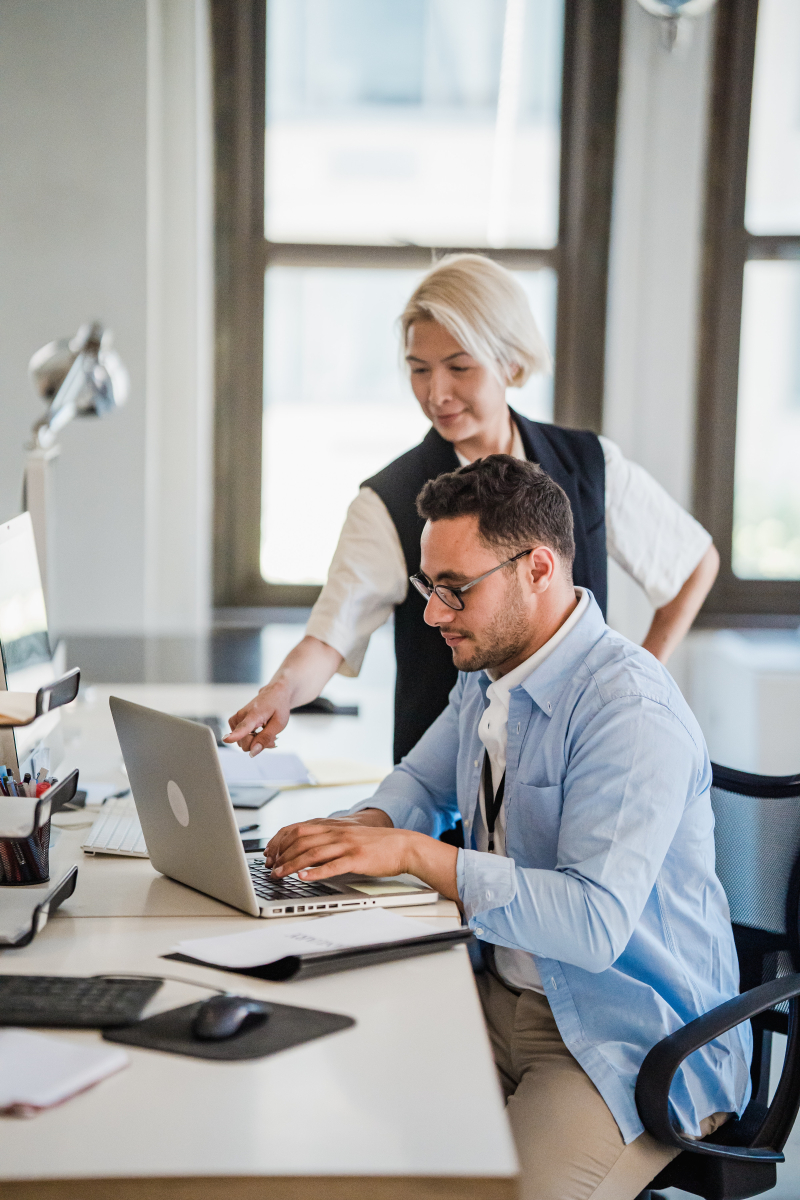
<point>499,614</point>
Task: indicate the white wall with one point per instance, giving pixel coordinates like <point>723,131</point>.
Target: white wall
<point>104,163</point>
<point>180,323</point>
<point>72,242</point>
<point>655,266</point>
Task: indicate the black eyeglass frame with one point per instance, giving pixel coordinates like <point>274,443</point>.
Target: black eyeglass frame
<point>427,589</point>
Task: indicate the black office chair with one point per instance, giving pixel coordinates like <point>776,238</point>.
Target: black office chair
<point>758,862</point>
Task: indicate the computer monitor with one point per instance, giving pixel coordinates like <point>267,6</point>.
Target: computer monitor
<point>25,653</point>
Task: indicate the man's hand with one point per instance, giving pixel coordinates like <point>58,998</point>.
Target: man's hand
<point>365,844</point>
<point>266,716</point>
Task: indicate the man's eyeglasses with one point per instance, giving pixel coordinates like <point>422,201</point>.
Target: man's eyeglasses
<point>451,596</point>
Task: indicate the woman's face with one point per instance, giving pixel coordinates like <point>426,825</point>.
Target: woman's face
<point>460,397</point>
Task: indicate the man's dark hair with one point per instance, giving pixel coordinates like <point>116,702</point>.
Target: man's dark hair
<point>517,504</point>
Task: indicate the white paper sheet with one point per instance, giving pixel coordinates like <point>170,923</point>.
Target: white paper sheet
<point>37,1071</point>
<point>257,947</point>
<point>267,767</point>
<point>17,707</point>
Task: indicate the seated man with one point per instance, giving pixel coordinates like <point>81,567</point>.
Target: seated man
<point>582,780</point>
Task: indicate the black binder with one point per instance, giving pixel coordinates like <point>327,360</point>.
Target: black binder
<point>305,966</point>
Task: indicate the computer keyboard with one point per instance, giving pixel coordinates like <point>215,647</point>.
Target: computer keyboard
<point>285,889</point>
<point>117,831</point>
<point>73,1002</point>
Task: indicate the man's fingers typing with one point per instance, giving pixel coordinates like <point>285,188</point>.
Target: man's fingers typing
<point>325,845</point>
<point>301,859</point>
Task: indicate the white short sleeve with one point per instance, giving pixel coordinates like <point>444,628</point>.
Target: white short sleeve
<point>366,579</point>
<point>648,534</point>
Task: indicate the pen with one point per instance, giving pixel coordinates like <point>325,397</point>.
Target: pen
<point>247,828</point>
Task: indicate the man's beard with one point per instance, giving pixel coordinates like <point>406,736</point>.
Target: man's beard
<point>508,634</point>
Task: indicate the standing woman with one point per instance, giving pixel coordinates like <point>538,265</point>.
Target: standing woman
<point>468,334</point>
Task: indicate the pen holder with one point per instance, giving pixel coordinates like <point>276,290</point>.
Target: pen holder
<point>25,833</point>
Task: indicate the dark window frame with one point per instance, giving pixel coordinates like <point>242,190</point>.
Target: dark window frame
<point>728,246</point>
<point>592,37</point>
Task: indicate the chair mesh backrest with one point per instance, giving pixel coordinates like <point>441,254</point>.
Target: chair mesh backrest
<point>757,843</point>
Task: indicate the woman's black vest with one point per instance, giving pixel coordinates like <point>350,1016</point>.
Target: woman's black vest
<point>425,671</point>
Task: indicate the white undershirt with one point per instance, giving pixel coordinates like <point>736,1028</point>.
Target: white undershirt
<point>516,966</point>
<point>648,534</point>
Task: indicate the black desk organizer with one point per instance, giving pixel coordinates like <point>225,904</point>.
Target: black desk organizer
<point>25,858</point>
<point>32,851</point>
<point>51,695</point>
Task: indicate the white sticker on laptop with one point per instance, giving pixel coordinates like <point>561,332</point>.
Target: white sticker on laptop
<point>177,802</point>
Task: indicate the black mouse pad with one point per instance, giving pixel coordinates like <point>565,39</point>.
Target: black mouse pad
<point>172,1031</point>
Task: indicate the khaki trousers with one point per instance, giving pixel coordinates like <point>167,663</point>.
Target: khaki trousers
<point>568,1143</point>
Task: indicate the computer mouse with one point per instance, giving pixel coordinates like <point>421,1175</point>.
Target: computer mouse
<point>223,1016</point>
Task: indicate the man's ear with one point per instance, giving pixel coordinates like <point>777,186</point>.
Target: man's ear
<point>541,568</point>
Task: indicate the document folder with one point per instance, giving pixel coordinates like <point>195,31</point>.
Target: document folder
<point>305,966</point>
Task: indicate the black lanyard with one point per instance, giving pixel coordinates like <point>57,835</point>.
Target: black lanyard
<point>492,800</point>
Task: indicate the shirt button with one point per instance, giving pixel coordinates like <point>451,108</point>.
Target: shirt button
<point>479,932</point>
<point>467,820</point>
<point>488,895</point>
<point>476,762</point>
<point>549,706</point>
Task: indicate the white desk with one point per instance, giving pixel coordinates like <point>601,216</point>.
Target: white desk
<point>405,1104</point>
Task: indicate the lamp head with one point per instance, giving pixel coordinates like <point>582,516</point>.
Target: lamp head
<point>78,377</point>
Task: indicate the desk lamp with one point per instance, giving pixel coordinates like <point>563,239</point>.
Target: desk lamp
<point>78,377</point>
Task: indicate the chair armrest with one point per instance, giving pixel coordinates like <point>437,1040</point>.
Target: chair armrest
<point>659,1067</point>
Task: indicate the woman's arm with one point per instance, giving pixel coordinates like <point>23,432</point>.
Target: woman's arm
<point>658,544</point>
<point>301,677</point>
<point>673,621</point>
<point>367,578</point>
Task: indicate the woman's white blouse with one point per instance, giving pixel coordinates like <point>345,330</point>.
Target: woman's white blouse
<point>647,533</point>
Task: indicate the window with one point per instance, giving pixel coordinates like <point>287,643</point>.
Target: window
<point>356,140</point>
<point>748,482</point>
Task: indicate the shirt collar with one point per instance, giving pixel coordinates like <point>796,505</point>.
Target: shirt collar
<point>506,683</point>
<point>546,684</point>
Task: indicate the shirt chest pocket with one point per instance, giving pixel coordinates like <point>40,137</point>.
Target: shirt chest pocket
<point>534,819</point>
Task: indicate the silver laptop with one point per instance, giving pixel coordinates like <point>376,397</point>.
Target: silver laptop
<point>192,835</point>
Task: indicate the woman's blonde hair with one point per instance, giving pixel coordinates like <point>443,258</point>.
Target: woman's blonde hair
<point>485,309</point>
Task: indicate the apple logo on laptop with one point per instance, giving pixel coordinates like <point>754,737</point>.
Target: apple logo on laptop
<point>177,802</point>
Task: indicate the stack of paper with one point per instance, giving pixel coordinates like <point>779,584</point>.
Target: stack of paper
<point>37,1072</point>
<point>289,771</point>
<point>280,770</point>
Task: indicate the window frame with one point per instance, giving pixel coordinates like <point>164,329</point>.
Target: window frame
<point>728,247</point>
<point>592,38</point>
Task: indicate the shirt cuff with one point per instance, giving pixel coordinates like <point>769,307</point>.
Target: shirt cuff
<point>351,649</point>
<point>484,882</point>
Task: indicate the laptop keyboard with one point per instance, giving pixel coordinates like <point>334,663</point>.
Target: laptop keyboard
<point>290,888</point>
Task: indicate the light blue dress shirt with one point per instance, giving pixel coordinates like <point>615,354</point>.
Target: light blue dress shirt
<point>610,878</point>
